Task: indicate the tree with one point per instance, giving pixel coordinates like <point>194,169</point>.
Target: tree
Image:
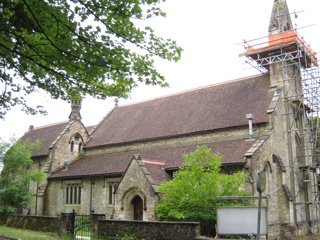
<point>74,48</point>
<point>17,175</point>
<point>192,193</point>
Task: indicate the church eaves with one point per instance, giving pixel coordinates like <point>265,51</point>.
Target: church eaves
<point>114,164</point>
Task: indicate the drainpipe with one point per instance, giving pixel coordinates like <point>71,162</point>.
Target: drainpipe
<point>36,207</point>
<point>37,192</point>
<point>91,183</point>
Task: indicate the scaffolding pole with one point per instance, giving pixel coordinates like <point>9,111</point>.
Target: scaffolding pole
<point>300,82</point>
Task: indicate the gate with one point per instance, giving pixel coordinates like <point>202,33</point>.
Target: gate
<point>82,227</point>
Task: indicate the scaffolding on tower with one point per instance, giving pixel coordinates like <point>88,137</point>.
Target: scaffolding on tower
<point>298,64</point>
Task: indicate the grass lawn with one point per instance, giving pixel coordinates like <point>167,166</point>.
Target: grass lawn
<point>24,234</point>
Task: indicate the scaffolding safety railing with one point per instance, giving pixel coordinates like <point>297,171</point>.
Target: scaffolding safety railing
<point>279,47</point>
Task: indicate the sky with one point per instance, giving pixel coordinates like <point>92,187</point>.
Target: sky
<point>211,34</point>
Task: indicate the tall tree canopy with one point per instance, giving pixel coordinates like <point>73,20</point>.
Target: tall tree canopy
<point>73,48</point>
<point>192,193</point>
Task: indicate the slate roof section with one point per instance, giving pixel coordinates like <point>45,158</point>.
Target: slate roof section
<point>90,128</point>
<point>46,135</point>
<point>114,164</point>
<point>156,170</point>
<point>213,107</point>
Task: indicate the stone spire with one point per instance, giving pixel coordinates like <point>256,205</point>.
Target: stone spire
<point>75,110</point>
<point>280,18</point>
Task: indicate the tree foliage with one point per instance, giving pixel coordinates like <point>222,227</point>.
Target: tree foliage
<point>192,193</point>
<point>16,175</point>
<point>73,48</point>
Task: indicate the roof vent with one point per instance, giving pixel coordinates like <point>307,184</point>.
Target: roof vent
<point>249,116</point>
<point>66,164</point>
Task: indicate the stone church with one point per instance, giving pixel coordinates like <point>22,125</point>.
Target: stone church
<point>260,122</point>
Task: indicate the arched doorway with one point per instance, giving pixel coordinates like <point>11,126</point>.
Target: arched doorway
<point>133,205</point>
<point>137,208</point>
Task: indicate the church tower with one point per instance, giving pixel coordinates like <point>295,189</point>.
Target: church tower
<point>280,20</point>
<point>283,38</point>
<point>294,77</point>
<point>283,52</point>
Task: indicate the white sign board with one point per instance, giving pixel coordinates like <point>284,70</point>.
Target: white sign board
<point>241,220</point>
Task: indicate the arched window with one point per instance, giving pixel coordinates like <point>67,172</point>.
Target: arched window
<point>269,182</point>
<point>111,188</point>
<point>72,146</point>
<point>80,148</point>
<point>76,143</point>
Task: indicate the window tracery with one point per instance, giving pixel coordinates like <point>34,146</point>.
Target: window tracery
<point>76,143</point>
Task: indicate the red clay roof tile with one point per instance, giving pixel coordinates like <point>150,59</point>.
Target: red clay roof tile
<point>213,107</point>
<point>116,163</point>
<point>46,135</point>
<point>157,171</point>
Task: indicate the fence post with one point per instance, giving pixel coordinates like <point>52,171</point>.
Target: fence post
<point>94,228</point>
<point>67,223</point>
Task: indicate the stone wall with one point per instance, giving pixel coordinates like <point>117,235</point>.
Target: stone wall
<point>106,228</point>
<point>99,201</point>
<point>275,143</point>
<point>94,197</point>
<point>61,150</point>
<point>36,206</point>
<point>149,230</point>
<point>281,212</point>
<point>35,223</point>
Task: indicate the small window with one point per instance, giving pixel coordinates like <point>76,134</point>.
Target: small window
<point>111,188</point>
<point>72,146</point>
<point>80,148</point>
<point>76,144</point>
<point>73,193</point>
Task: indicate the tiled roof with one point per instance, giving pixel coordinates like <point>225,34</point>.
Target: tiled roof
<point>116,163</point>
<point>90,128</point>
<point>213,107</point>
<point>157,171</point>
<point>46,135</point>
